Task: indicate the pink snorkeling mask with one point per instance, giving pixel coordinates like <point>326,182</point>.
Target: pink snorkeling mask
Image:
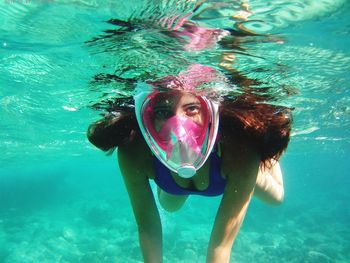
<point>179,127</point>
<point>180,135</point>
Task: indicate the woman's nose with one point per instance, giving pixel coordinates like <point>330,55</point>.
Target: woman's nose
<point>179,112</point>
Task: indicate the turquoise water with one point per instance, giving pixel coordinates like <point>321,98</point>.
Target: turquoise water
<point>62,200</point>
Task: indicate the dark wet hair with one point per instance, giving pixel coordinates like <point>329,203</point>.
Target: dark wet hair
<point>113,130</point>
<point>267,127</point>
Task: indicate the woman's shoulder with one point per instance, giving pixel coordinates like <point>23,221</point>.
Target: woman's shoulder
<point>136,149</point>
<point>136,153</point>
<point>239,157</point>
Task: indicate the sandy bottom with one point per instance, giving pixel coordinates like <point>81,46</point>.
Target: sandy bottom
<point>102,230</point>
<point>74,215</point>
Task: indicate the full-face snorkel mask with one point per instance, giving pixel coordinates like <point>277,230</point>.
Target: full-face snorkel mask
<point>181,135</point>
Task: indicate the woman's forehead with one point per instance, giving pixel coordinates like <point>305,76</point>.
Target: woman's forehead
<point>189,99</point>
<point>174,97</point>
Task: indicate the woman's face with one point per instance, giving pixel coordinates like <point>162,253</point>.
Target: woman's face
<point>182,104</point>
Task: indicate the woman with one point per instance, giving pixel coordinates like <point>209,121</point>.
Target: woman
<point>174,138</point>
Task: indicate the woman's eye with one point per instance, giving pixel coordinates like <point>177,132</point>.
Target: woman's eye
<point>163,113</point>
<point>192,110</point>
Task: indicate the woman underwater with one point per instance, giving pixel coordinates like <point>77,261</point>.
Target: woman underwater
<point>189,142</point>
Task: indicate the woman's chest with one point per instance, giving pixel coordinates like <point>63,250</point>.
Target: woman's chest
<point>199,182</point>
<point>207,177</point>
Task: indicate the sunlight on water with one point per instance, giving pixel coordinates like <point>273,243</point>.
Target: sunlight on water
<point>49,64</point>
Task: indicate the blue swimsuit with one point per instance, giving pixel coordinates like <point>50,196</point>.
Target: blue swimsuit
<point>166,182</point>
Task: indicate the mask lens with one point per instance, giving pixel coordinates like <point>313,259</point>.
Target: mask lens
<point>177,127</point>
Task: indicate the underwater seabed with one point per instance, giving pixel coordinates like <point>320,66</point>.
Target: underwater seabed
<point>78,211</point>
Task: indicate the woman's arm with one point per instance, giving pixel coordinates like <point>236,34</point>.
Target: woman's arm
<point>237,195</point>
<point>142,201</point>
<point>269,184</point>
